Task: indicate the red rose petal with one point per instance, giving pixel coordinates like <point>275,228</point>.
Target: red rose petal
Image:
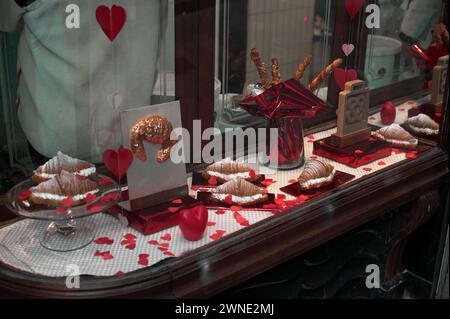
<point>212,181</point>
<point>169,253</point>
<point>173,209</point>
<point>24,195</point>
<point>153,242</point>
<point>177,201</point>
<point>209,224</point>
<point>217,235</point>
<point>104,241</point>
<point>381,163</point>
<point>240,219</point>
<point>90,198</point>
<point>281,196</point>
<point>166,237</point>
<point>367,169</point>
<point>130,236</point>
<point>220,212</point>
<point>292,181</point>
<point>67,202</point>
<point>236,208</point>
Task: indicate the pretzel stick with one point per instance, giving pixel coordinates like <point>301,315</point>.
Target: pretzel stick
<point>323,75</point>
<point>302,67</point>
<point>276,75</point>
<point>261,67</point>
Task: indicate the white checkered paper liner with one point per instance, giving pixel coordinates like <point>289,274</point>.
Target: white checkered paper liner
<point>20,247</point>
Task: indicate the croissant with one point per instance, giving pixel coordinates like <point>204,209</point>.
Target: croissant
<point>316,174</point>
<point>155,129</point>
<point>225,171</point>
<point>239,192</point>
<point>423,124</point>
<point>397,136</point>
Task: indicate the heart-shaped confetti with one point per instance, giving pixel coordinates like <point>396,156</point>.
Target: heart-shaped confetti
<point>311,137</point>
<point>153,242</point>
<point>217,235</point>
<point>241,220</point>
<point>177,201</point>
<point>220,212</point>
<point>169,253</point>
<point>95,208</point>
<point>411,155</point>
<point>367,169</point>
<point>252,173</point>
<point>104,241</point>
<point>143,259</point>
<point>105,255</point>
<point>292,181</point>
<point>161,248</point>
<point>347,48</point>
<point>235,208</point>
<point>281,196</point>
<point>269,206</point>
<point>397,151</point>
<point>358,152</point>
<point>381,163</point>
<point>166,237</point>
<point>210,224</point>
<point>228,199</point>
<point>24,195</point>
<point>119,274</point>
<point>173,209</point>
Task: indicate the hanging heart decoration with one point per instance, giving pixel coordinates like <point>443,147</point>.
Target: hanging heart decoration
<point>353,6</point>
<point>111,20</point>
<point>348,48</point>
<point>118,162</point>
<point>342,76</point>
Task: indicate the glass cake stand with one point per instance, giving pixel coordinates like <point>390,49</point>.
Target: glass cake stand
<point>63,230</point>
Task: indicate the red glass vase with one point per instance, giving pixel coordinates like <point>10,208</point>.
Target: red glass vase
<point>289,152</point>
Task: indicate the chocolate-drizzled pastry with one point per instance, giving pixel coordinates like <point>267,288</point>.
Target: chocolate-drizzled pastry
<point>423,124</point>
<point>316,174</point>
<point>61,162</point>
<point>54,191</point>
<point>239,192</point>
<point>225,171</point>
<point>397,136</point>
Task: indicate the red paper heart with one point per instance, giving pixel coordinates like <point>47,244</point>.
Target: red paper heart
<point>353,6</point>
<point>342,76</point>
<point>111,20</point>
<point>118,162</point>
<point>192,222</point>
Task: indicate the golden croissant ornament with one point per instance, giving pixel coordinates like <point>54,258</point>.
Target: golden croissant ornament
<point>155,129</point>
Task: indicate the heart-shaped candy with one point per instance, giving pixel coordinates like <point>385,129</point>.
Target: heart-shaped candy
<point>192,222</point>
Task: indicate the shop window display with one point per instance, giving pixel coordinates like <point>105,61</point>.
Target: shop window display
<point>149,136</point>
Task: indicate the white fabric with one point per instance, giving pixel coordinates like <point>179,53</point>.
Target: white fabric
<point>22,238</point>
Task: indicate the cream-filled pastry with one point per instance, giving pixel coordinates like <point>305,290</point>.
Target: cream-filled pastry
<point>316,174</point>
<point>225,171</point>
<point>239,192</point>
<point>397,136</point>
<point>423,124</point>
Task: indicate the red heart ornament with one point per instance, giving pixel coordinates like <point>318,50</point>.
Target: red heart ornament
<point>118,162</point>
<point>111,21</point>
<point>353,6</point>
<point>342,76</point>
<point>192,222</point>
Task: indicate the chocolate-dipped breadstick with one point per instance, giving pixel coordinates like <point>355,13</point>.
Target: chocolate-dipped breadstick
<point>302,67</point>
<point>323,75</point>
<point>276,75</point>
<point>261,67</point>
